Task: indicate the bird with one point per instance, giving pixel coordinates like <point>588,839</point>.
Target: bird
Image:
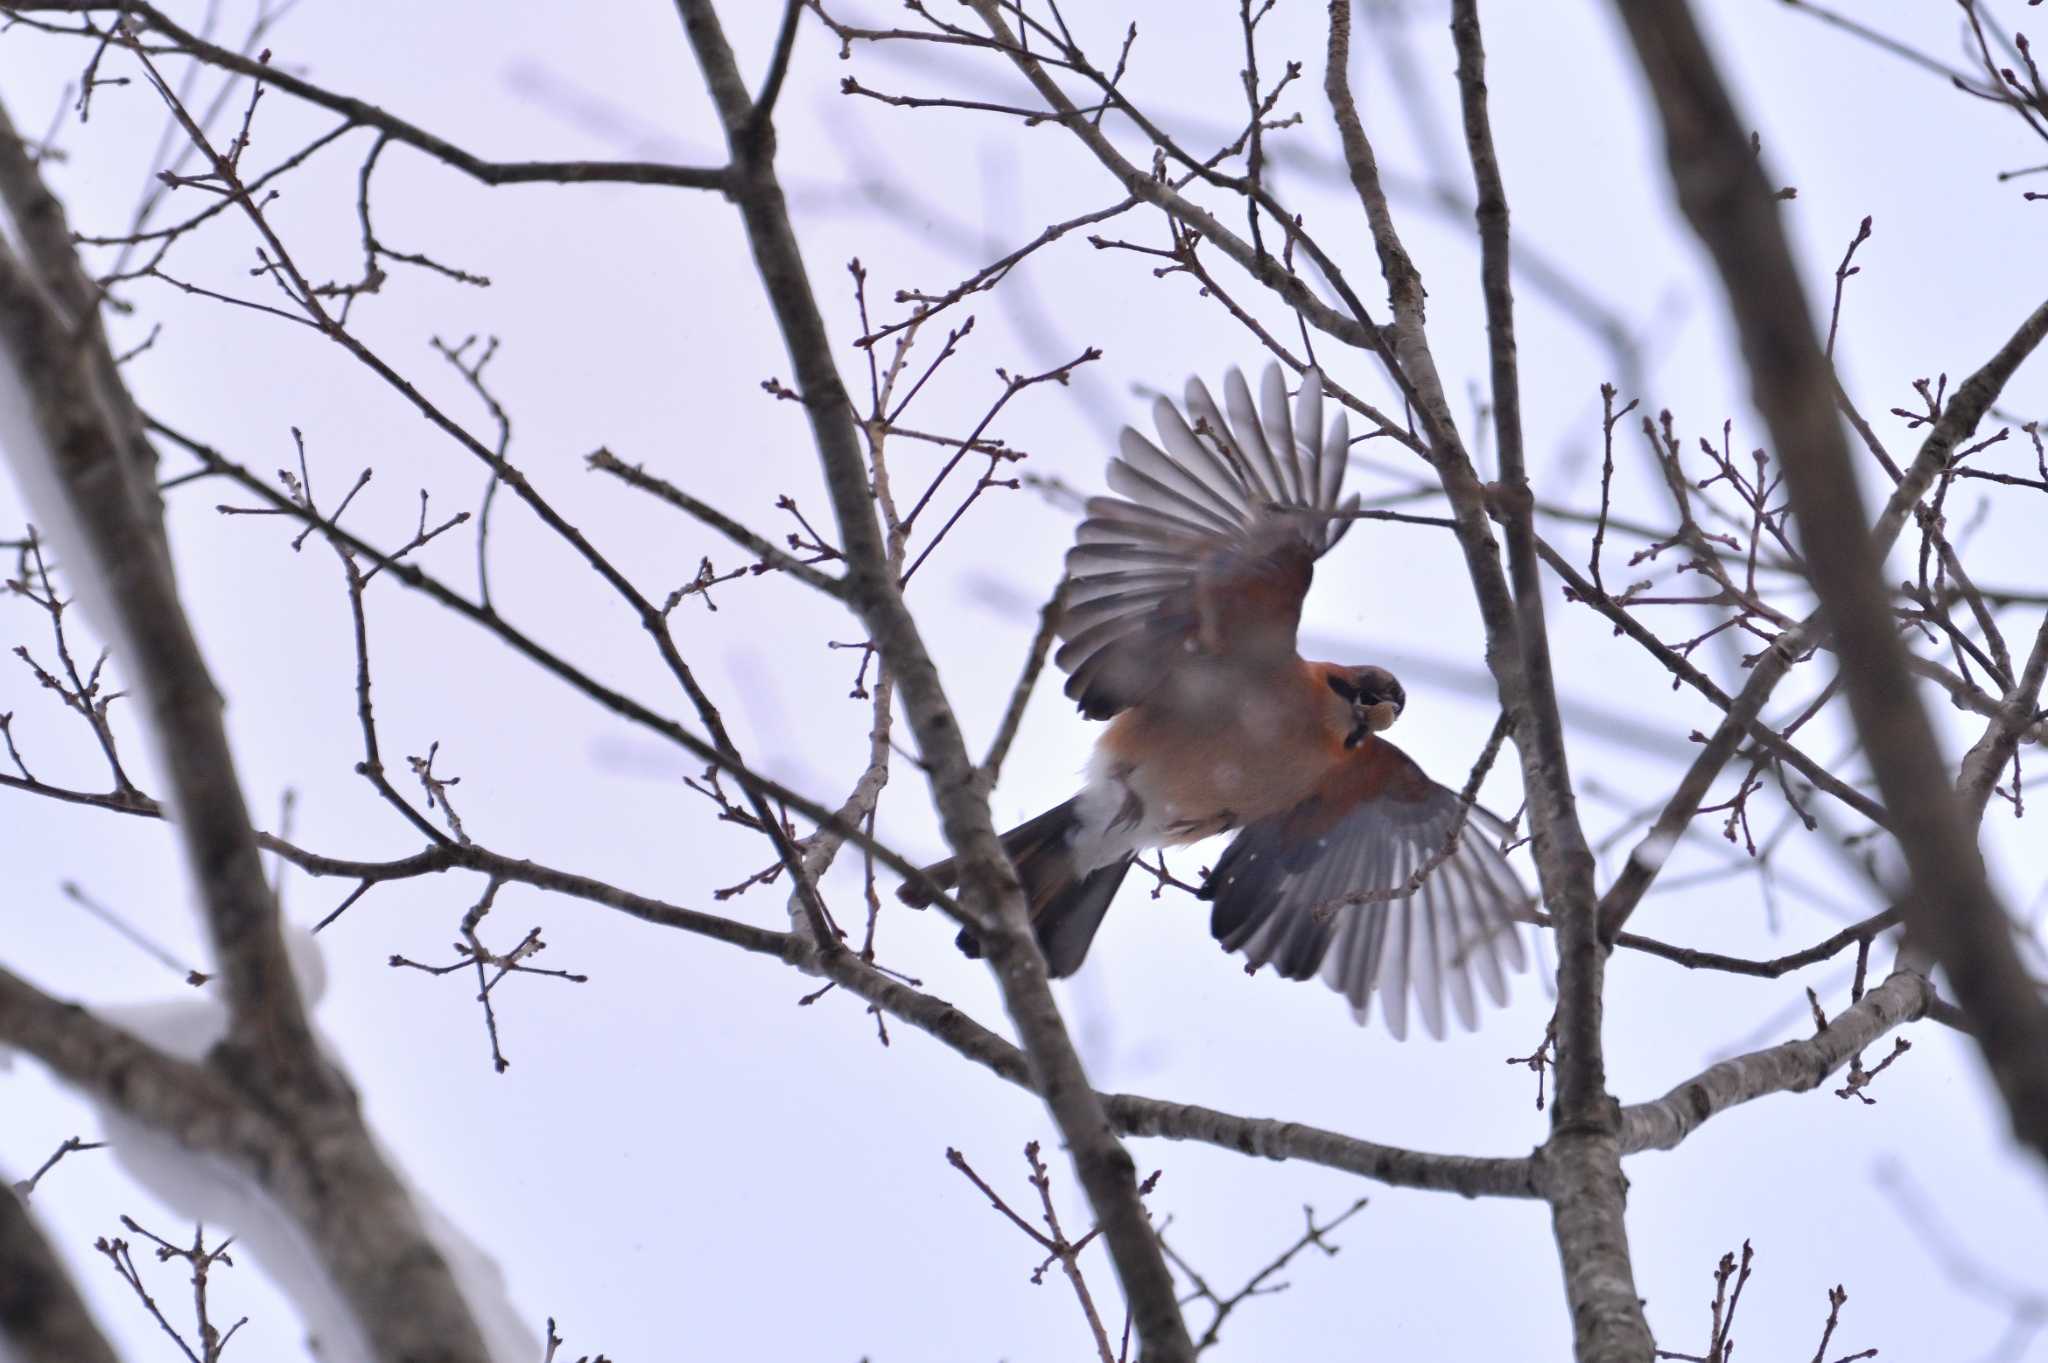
<point>1178,617</point>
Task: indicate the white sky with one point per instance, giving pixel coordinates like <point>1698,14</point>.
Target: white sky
<point>680,1163</point>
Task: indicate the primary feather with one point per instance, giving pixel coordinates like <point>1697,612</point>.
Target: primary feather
<point>1214,501</point>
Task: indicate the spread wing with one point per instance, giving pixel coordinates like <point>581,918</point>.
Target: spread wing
<point>1187,560</point>
<point>1375,880</point>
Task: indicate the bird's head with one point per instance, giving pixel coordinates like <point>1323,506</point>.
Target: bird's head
<point>1373,697</point>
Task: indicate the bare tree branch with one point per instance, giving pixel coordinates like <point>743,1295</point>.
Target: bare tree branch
<point>394,1278</point>
<point>1794,1067</point>
<point>42,1319</point>
<point>1579,1168</point>
<point>1215,222</point>
<point>2018,712</point>
<point>363,114</point>
<point>990,891</point>
<point>1953,909</point>
<point>269,1025</point>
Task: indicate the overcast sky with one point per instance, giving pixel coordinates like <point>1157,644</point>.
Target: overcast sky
<point>683,1164</point>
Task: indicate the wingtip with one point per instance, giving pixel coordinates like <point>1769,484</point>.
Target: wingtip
<point>1394,1008</point>
<point>1164,415</point>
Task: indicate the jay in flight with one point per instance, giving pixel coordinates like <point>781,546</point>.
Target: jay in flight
<point>1181,604</point>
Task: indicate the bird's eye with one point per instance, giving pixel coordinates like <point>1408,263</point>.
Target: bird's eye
<point>1341,685</point>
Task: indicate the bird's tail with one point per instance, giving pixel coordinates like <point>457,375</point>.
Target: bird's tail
<point>1066,903</point>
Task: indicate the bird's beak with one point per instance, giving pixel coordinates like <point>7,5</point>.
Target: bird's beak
<point>1367,720</point>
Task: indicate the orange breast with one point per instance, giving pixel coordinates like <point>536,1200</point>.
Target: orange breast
<point>1226,747</point>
